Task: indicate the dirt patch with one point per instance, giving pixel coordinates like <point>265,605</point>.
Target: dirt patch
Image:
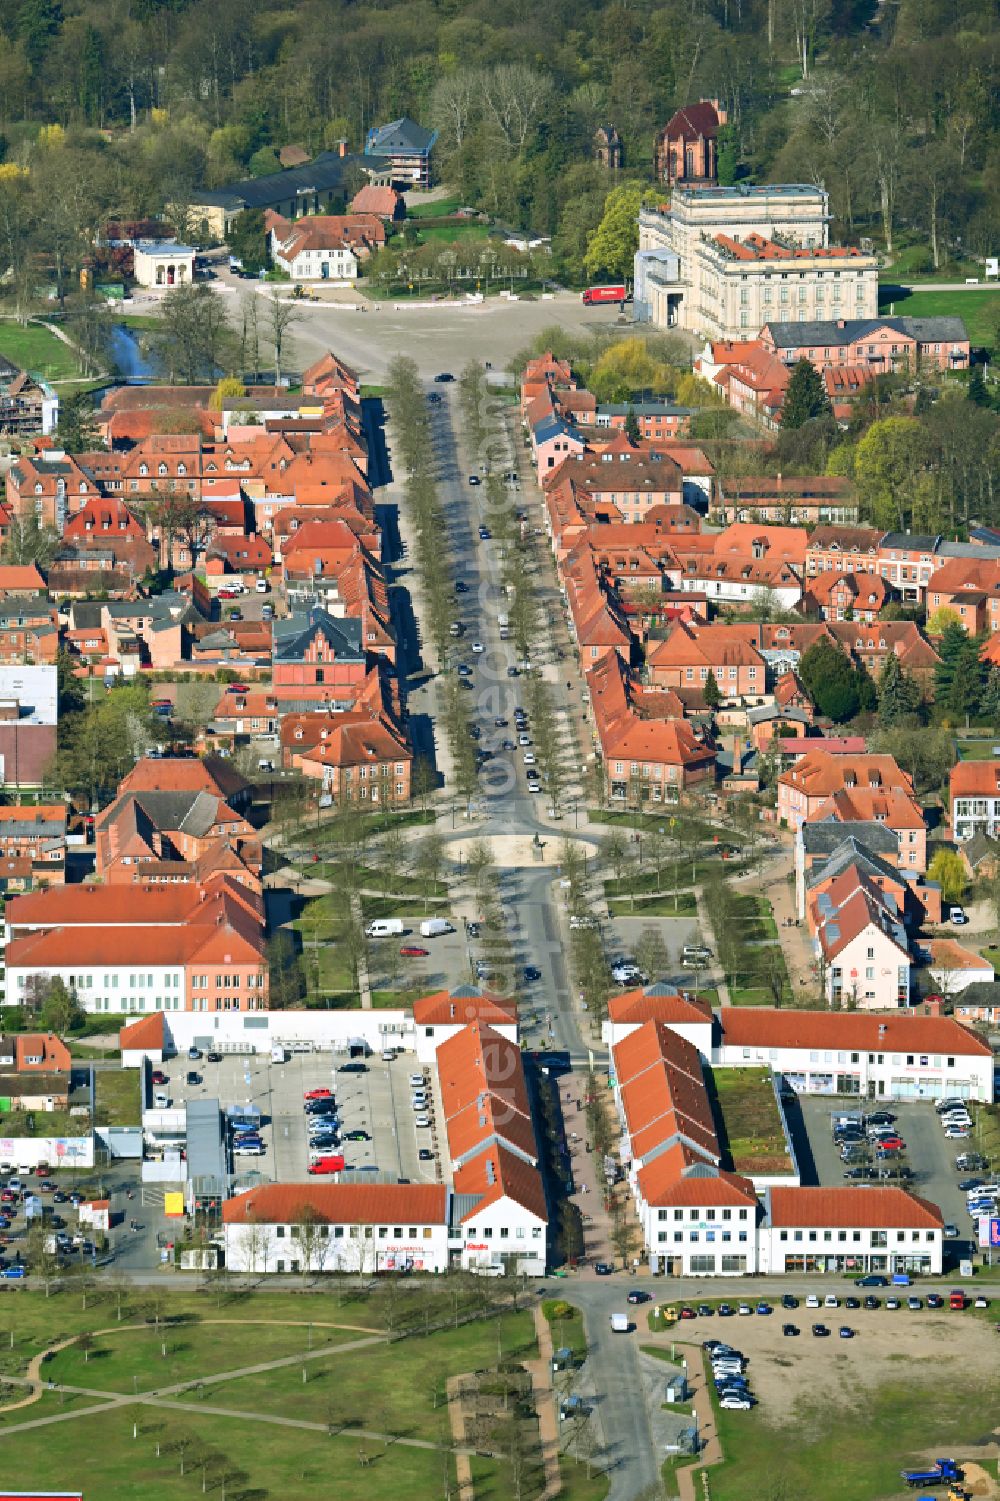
<point>926,1348</point>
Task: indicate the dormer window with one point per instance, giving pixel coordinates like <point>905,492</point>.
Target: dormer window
<point>38,489</point>
<point>182,469</point>
<point>161,469</point>
<point>143,470</point>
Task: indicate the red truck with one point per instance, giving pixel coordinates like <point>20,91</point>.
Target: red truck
<point>617,293</point>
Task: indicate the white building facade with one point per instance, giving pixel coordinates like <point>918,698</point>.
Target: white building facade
<point>338,1227</point>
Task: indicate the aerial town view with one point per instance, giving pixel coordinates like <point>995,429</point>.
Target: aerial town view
<point>499,751</point>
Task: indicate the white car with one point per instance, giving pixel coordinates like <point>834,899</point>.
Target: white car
<point>957,1133</point>
<point>534,786</point>
<point>957,916</point>
<point>478,648</point>
<point>529,758</point>
<point>735,1403</point>
<point>524,739</point>
<point>416,1081</point>
<point>831,1301</point>
<point>812,1301</point>
<point>422,1120</point>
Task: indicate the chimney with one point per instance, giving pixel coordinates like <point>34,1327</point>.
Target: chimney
<point>841,323</point>
<point>341,148</point>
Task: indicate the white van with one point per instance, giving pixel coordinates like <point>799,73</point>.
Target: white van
<point>385,927</point>
<point>161,1100</point>
<point>487,1271</point>
<point>435,927</point>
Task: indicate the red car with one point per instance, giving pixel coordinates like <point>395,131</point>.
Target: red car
<point>687,1313</point>
<point>410,951</point>
<point>159,1077</point>
<point>318,1094</point>
<point>43,1170</point>
<point>892,1144</point>
<point>327,1165</point>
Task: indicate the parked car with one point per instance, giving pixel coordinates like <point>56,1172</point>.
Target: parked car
<point>789,1330</point>
<point>413,951</point>
<point>846,1332</point>
<point>637,1296</point>
<point>603,1268</point>
<point>820,1331</point>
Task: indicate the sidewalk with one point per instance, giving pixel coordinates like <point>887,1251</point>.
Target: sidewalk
<point>545,1405</point>
<point>710,1450</point>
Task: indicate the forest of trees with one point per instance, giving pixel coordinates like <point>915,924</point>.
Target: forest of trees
<point>894,108</point>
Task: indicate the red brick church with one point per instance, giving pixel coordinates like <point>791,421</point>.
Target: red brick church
<point>686,149</point>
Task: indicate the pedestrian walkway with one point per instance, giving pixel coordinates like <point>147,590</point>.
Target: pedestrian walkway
<point>709,1446</point>
<point>540,1371</point>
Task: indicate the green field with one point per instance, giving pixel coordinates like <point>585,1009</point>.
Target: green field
<point>116,1097</point>
<point>208,1438</point>
<point>683,905</point>
<point>38,351</point>
<point>850,1449</point>
<point>749,1120</point>
<point>979,308</point>
<point>437,208</point>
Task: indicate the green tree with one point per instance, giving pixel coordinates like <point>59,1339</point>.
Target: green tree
<point>989,704</point>
<point>948,870</point>
<point>77,431</point>
<point>713,697</point>
<point>951,652</point>
<point>888,463</point>
<point>612,247</point>
<point>248,241</point>
<point>264,162</point>
<point>632,432</point>
<point>806,396</point>
<point>977,392</point>
<point>966,691</point>
<point>830,680</point>
<point>28,541</point>
<point>727,144</point>
<point>61,1011</point>
<point>899,696</point>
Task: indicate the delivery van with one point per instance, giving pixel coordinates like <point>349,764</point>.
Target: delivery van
<point>385,927</point>
<point>434,927</point>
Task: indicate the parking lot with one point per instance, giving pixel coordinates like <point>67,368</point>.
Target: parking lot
<point>447,963</point>
<point>375,1100</point>
<point>929,1155</point>
<point>622,934</point>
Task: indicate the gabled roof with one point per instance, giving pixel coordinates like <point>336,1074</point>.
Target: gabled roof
<point>338,1204</point>
<point>692,121</point>
<point>766,1028</point>
<point>853,1208</point>
<point>148,1032</point>
<point>400,137</point>
<point>462,1005</point>
<point>294,636</point>
<point>655,1004</point>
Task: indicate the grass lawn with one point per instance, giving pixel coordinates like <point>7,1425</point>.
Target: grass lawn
<point>978,750</point>
<point>847,1451</point>
<point>43,1123</point>
<point>193,1350</point>
<point>437,208</point>
<point>116,1099</point>
<point>668,820</point>
<point>567,1329</point>
<point>38,351</point>
<point>454,234</point>
<point>978,308</point>
<point>683,905</point>
<point>749,1120</point>
<point>105,1460</point>
<point>393,906</point>
<point>395,1387</point>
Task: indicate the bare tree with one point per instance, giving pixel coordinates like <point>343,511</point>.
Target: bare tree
<point>455,100</point>
<point>513,94</point>
<point>282,314</point>
<point>312,1235</point>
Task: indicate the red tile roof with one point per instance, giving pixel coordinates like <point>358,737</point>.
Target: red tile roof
<point>637,1006</point>
<point>852,1208</point>
<point>662,1182</point>
<point>339,1203</point>
<point>148,1032</point>
<point>444,1009</point>
<point>762,1027</point>
<point>497,1173</point>
<point>975,779</point>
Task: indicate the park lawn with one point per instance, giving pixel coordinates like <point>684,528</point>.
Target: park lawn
<point>749,1120</point>
<point>393,906</point>
<point>43,1123</point>
<point>116,1097</point>
<point>751,995</point>
<point>392,1388</point>
<point>400,882</point>
<point>843,1451</point>
<point>454,234</point>
<point>978,750</point>
<point>668,819</point>
<point>122,1355</point>
<point>437,208</point>
<point>37,350</point>
<point>683,905</point>
<point>567,1330</point>
<point>391,1000</point>
<point>100,1455</point>
<point>39,1322</point>
<point>979,308</point>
